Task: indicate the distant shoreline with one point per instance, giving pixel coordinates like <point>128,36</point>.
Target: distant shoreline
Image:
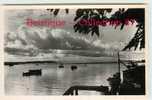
<point>55,62</point>
<point>59,62</point>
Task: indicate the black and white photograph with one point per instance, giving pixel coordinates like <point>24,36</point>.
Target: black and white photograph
<point>74,51</point>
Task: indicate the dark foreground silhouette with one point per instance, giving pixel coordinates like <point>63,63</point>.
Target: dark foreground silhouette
<point>133,83</point>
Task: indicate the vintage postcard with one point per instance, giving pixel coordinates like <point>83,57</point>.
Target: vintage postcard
<point>75,50</point>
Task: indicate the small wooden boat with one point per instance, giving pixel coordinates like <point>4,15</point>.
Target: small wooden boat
<point>61,66</point>
<point>73,67</point>
<point>36,72</point>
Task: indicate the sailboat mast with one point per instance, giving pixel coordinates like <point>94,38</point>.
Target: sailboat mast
<point>118,62</point>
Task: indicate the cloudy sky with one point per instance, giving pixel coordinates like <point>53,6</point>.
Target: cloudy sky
<point>23,40</point>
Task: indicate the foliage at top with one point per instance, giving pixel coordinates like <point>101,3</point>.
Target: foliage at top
<point>131,14</point>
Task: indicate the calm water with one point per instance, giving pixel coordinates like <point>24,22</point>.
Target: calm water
<point>54,80</point>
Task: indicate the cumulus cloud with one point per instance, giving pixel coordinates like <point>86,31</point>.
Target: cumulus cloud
<point>110,45</point>
<point>42,38</point>
<point>35,41</point>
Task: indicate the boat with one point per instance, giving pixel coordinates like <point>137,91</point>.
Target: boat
<point>36,72</point>
<point>73,67</point>
<point>61,66</point>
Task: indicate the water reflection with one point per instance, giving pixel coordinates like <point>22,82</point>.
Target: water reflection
<point>55,80</point>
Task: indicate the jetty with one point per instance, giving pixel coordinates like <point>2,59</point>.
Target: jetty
<point>74,90</point>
